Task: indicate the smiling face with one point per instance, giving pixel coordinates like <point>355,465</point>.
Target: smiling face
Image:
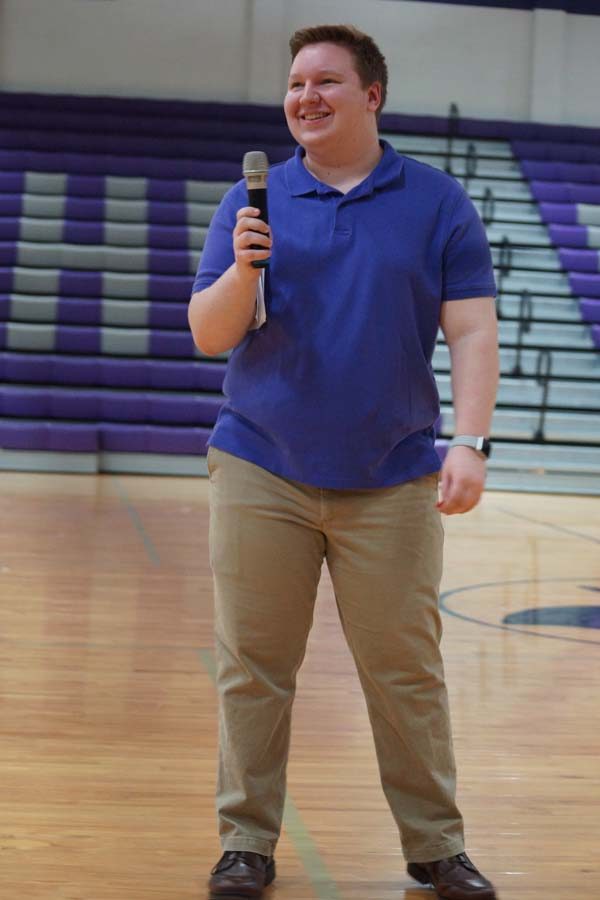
<point>326,105</point>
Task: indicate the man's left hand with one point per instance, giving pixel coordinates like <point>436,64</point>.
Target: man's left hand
<point>462,481</point>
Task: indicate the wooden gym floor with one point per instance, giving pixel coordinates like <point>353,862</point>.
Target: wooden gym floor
<point>108,704</point>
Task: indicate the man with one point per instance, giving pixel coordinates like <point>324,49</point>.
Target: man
<point>325,449</point>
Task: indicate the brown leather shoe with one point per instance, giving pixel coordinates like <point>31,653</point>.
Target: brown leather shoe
<point>455,878</point>
<point>241,874</point>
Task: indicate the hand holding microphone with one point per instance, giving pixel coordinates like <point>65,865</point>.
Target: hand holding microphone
<point>251,236</point>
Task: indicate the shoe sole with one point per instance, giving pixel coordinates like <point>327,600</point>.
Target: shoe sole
<point>422,876</point>
<point>269,877</point>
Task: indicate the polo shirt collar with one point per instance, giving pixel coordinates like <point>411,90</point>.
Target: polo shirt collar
<point>300,181</point>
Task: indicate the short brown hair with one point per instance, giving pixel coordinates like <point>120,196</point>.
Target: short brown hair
<point>370,62</point>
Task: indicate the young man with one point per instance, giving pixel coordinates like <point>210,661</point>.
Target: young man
<point>325,449</point>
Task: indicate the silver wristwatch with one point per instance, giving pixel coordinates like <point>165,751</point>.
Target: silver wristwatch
<point>479,443</point>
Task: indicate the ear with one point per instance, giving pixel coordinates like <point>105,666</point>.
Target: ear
<point>374,96</point>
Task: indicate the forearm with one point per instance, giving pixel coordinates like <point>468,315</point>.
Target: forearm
<point>475,374</point>
<point>220,316</point>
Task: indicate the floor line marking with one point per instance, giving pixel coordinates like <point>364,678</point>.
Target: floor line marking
<point>473,587</point>
<point>137,522</point>
<point>561,528</point>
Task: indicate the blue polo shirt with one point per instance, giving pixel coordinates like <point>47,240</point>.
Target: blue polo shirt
<point>336,388</point>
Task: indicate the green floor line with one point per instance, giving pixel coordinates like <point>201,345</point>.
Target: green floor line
<point>137,521</point>
<point>320,878</point>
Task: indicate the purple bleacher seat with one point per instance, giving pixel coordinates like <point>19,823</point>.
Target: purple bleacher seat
<point>588,173</point>
<point>26,367</point>
<point>568,235</point>
<point>121,406</point>
<point>553,150</point>
<point>152,439</point>
<point>2,335</point>
<point>4,307</point>
<point>6,280</point>
<point>579,260</point>
<point>130,373</point>
<point>74,283</point>
<point>163,189</point>
<point>585,193</point>
<point>193,410</point>
<point>78,311</point>
<point>8,253</point>
<point>171,343</point>
<point>191,441</point>
<point>164,237</point>
<point>559,213</point>
<point>128,166</point>
<point>46,369</point>
<point>24,403</point>
<point>144,145</point>
<point>169,262</point>
<point>183,375</point>
<point>585,285</point>
<point>23,435</point>
<point>596,335</point>
<point>166,213</point>
<point>10,228</point>
<point>170,287</point>
<point>77,370</point>
<point>73,437</point>
<point>54,436</point>
<point>589,309</point>
<point>88,208</point>
<point>168,315</point>
<point>11,205</point>
<point>71,339</point>
<point>85,185</point>
<point>561,192</point>
<point>77,232</point>
<point>96,123</point>
<point>12,182</point>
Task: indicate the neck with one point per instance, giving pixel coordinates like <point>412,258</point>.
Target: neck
<point>344,165</point>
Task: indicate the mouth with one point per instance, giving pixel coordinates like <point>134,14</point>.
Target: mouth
<point>315,116</point>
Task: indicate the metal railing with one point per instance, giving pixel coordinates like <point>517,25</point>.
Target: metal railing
<point>505,261</point>
<point>470,165</point>
<point>453,123</point>
<point>525,317</point>
<point>488,207</point>
<point>543,374</point>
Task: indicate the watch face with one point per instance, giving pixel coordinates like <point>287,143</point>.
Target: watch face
<point>487,448</point>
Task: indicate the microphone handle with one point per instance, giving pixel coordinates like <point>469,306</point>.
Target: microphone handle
<point>258,197</point>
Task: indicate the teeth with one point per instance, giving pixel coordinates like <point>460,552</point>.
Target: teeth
<point>312,116</point>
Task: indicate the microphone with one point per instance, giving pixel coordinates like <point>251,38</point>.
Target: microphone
<point>256,168</point>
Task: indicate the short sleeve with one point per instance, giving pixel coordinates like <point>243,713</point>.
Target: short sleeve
<point>217,253</point>
<point>468,270</point>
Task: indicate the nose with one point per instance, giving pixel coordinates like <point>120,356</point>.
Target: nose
<point>310,93</point>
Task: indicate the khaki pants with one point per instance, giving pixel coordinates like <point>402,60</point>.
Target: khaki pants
<point>268,538</point>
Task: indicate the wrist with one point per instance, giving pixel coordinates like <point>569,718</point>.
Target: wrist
<point>476,443</point>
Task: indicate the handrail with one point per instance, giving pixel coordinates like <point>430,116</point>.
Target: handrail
<point>470,164</point>
<point>525,316</point>
<point>504,262</point>
<point>488,209</point>
<point>543,374</point>
<point>453,121</point>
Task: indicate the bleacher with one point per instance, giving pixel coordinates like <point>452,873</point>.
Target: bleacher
<point>104,206</point>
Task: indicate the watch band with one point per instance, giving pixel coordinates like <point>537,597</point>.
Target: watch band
<point>477,442</point>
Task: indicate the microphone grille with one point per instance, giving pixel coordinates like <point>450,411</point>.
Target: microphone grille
<point>255,161</point>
